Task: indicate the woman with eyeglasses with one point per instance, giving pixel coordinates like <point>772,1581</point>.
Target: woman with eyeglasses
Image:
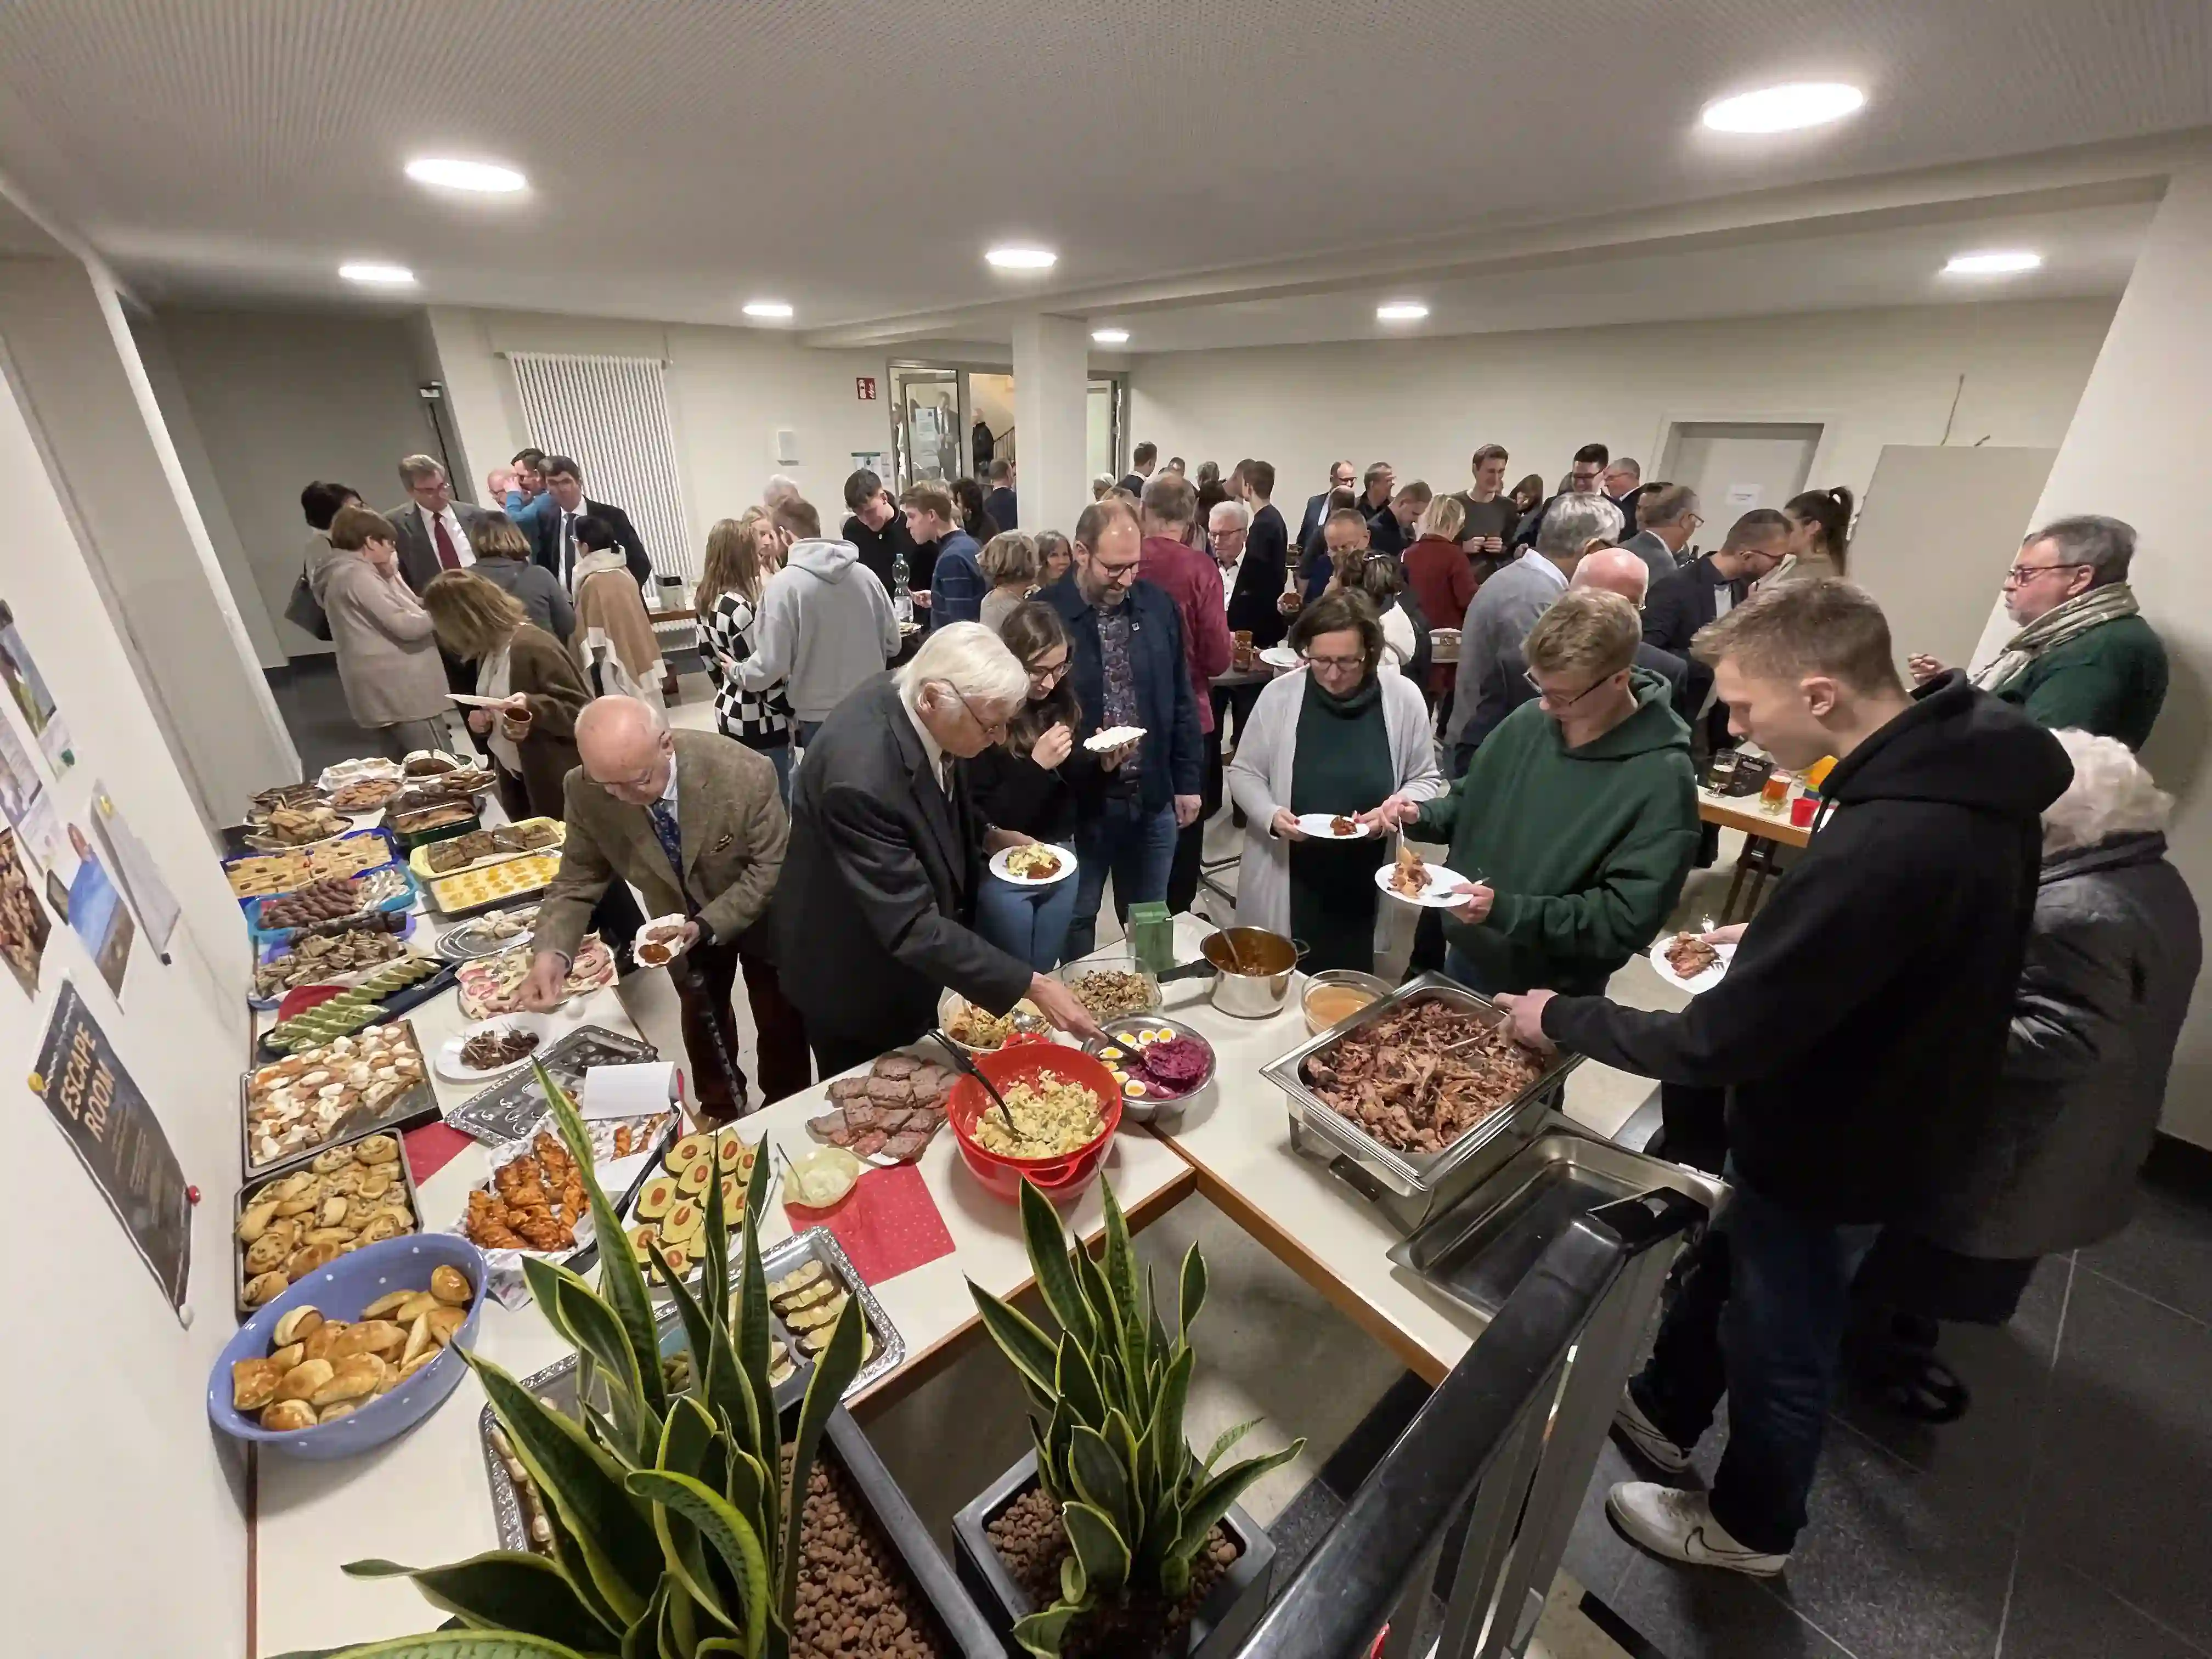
<point>1342,740</point>
<point>1019,784</point>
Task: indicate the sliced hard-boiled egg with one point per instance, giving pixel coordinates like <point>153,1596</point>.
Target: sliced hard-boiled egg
<point>1132,1087</point>
<point>1110,1054</point>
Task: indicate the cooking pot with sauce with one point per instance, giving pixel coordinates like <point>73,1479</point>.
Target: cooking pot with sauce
<point>1252,969</point>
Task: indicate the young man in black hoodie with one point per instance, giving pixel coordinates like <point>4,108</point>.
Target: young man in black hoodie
<point>1858,1034</point>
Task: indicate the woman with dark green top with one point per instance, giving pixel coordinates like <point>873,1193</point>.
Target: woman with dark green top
<point>1338,737</point>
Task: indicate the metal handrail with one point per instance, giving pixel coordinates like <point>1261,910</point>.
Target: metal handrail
<point>1363,1569</point>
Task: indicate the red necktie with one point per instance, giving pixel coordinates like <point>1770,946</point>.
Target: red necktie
<point>447,555</point>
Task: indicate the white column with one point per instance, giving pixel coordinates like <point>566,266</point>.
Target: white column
<point>2135,449</point>
<point>77,374</point>
<point>1052,378</point>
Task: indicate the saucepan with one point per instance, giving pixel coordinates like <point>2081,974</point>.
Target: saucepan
<point>1251,967</point>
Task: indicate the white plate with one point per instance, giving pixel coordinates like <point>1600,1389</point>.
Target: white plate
<point>998,868</point>
<point>1316,824</point>
<point>1697,983</point>
<point>1438,897</point>
<point>357,771</point>
<point>1113,737</point>
<point>1279,656</point>
<point>448,1060</point>
<point>661,921</point>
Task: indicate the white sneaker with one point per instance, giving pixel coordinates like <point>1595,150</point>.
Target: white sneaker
<point>1680,1526</point>
<point>1644,1438</point>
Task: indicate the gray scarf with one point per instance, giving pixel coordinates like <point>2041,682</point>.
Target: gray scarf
<point>2061,623</point>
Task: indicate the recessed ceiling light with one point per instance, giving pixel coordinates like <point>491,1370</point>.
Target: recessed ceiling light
<point>1784,109</point>
<point>771,308</point>
<point>1993,261</point>
<point>1022,258</point>
<point>375,275</point>
<point>1401,310</point>
<point>1110,335</point>
<point>488,178</point>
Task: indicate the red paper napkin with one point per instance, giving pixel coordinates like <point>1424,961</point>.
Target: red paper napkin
<point>298,1000</point>
<point>888,1224</point>
<point>431,1148</point>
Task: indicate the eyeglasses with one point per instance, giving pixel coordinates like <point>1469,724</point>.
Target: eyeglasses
<point>1337,665</point>
<point>1052,675</point>
<point>992,730</point>
<point>2021,575</point>
<point>1551,701</point>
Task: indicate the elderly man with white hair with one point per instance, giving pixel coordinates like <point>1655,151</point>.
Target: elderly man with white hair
<point>693,821</point>
<point>875,912</point>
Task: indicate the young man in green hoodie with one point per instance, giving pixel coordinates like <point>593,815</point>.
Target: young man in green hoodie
<point>1578,817</point>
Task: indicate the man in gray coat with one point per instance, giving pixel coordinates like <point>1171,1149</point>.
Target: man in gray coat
<point>826,625</point>
<point>1506,607</point>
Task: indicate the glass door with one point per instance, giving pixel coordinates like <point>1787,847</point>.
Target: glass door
<point>929,423</point>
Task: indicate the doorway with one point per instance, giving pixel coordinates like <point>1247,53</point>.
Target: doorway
<point>949,419</point>
<point>1736,466</point>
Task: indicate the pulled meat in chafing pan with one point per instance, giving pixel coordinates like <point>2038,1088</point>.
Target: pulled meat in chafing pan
<point>1405,1081</point>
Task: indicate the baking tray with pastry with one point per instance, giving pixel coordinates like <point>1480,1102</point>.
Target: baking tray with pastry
<point>285,1226</point>
<point>343,953</point>
<point>291,1108</point>
<point>486,847</point>
<point>315,1014</point>
<point>257,875</point>
<point>279,917</point>
<point>514,1108</point>
<point>495,884</point>
<point>487,933</point>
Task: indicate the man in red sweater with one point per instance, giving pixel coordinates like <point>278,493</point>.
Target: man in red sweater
<point>1193,580</point>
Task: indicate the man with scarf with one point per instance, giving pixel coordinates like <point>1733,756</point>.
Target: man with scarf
<point>2084,657</point>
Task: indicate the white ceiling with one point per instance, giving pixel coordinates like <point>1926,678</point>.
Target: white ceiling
<point>687,154</point>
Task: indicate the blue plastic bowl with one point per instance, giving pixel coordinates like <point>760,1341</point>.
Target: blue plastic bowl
<point>341,1290</point>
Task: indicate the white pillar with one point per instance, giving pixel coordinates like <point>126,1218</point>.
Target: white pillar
<point>77,374</point>
<point>2135,451</point>
<point>1052,380</point>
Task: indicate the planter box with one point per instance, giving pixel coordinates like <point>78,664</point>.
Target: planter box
<point>1223,1621</point>
<point>971,1633</point>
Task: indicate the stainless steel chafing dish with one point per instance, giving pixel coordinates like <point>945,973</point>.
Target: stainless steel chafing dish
<point>1411,1188</point>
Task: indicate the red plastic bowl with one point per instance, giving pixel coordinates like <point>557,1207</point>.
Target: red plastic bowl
<point>1060,1178</point>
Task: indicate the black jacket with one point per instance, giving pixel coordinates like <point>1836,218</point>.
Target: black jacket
<point>1012,791</point>
<point>1860,1030</point>
<point>1311,521</point>
<point>1005,508</point>
<point>871,915</point>
<point>879,548</point>
<point>548,538</point>
<point>1260,577</point>
<point>1384,534</point>
<point>1169,760</point>
<point>1679,604</point>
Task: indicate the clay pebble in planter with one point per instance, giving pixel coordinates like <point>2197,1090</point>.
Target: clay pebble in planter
<point>1227,1596</point>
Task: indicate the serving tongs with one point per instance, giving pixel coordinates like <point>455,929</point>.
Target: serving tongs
<point>963,1062</point>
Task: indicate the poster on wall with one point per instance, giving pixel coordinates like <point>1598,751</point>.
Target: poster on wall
<point>113,1129</point>
<point>26,799</point>
<point>23,925</point>
<point>135,870</point>
<point>97,913</point>
<point>28,688</point>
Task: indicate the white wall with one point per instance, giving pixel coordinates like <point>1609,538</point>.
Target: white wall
<point>282,398</point>
<point>732,388</point>
<point>125,1534</point>
<point>1870,377</point>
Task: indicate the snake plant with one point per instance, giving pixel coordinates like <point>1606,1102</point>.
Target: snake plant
<point>674,1535</point>
<point>1107,1394</point>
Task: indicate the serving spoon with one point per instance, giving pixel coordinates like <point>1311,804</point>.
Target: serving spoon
<point>964,1061</point>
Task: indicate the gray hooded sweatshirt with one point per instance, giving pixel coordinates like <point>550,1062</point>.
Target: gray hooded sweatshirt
<point>825,626</point>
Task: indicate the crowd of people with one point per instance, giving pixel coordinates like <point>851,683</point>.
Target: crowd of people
<point>1939,1051</point>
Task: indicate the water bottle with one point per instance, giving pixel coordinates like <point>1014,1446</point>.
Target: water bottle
<point>902,600</point>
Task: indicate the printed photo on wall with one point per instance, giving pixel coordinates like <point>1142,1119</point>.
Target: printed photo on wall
<point>97,913</point>
<point>23,924</point>
<point>135,870</point>
<point>28,688</point>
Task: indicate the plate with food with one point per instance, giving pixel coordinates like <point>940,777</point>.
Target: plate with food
<point>1415,879</point>
<point>478,890</point>
<point>352,1194</point>
<point>493,985</point>
<point>430,763</point>
<point>297,826</point>
<point>1690,961</point>
<point>979,1031</point>
<point>480,848</point>
<point>491,1047</point>
<point>297,1105</point>
<point>339,774</point>
<point>1112,737</point>
<point>1334,826</point>
<point>1033,865</point>
<point>258,875</point>
<point>1156,1061</point>
<point>488,934</point>
<point>661,941</point>
<point>670,1209</point>
<point>334,954</point>
<point>1279,656</point>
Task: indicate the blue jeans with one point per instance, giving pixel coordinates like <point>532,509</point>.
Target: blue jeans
<point>1759,1314</point>
<point>779,758</point>
<point>1137,847</point>
<point>1028,922</point>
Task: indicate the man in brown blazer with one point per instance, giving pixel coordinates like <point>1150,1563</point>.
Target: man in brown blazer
<point>645,801</point>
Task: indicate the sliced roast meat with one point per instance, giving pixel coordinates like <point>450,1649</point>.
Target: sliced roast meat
<point>891,1090</point>
<point>848,1088</point>
<point>897,1066</point>
<point>907,1144</point>
<point>831,1126</point>
<point>869,1143</point>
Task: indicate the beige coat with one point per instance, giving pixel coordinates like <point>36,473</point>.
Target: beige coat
<point>614,630</point>
<point>731,823</point>
<point>388,658</point>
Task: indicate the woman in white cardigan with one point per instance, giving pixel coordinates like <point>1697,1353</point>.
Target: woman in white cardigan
<point>1339,738</point>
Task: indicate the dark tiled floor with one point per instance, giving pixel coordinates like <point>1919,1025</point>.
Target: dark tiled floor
<point>2063,1516</point>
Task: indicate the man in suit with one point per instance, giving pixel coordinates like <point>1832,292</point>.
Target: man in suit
<point>1685,600</point>
<point>875,908</point>
<point>1002,505</point>
<point>1340,476</point>
<point>1267,543</point>
<point>434,528</point>
<point>1617,570</point>
<point>1670,519</point>
<point>1624,486</point>
<point>1391,530</point>
<point>646,804</point>
<point>1585,478</point>
<point>1142,460</point>
<point>556,545</point>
